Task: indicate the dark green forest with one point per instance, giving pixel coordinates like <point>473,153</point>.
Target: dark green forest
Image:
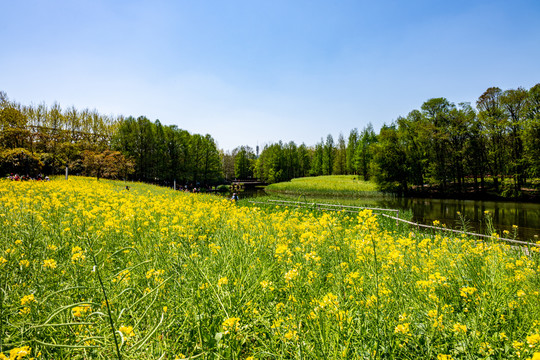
<point>491,147</point>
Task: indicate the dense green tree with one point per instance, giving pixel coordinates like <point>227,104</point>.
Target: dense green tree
<point>282,162</point>
<point>514,103</point>
<point>19,161</point>
<point>317,161</point>
<point>244,162</point>
<point>389,162</point>
<point>413,132</point>
<point>107,164</point>
<point>352,144</point>
<point>304,160</point>
<point>531,141</point>
<point>494,125</point>
<point>437,113</point>
<point>340,160</point>
<point>364,151</point>
<point>329,154</point>
<point>227,159</point>
<point>460,121</point>
<point>269,165</point>
<point>167,153</point>
<point>212,170</point>
<point>13,128</point>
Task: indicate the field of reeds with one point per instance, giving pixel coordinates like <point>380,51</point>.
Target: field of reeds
<point>90,270</point>
<point>350,186</point>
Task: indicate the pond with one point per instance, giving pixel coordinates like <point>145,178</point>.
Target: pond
<point>504,214</point>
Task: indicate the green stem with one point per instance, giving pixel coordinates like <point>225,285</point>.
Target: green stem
<point>108,307</point>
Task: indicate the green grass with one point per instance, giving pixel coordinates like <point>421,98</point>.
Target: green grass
<point>327,186</point>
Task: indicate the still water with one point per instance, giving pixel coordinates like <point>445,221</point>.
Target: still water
<point>503,214</point>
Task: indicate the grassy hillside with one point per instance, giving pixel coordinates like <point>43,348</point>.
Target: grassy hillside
<point>173,275</point>
<point>332,185</point>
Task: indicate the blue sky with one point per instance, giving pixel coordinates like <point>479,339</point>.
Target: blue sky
<point>254,72</point>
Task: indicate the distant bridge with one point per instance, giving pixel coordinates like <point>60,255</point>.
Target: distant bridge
<point>246,184</point>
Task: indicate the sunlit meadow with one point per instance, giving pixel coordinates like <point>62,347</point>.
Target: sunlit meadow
<point>330,185</point>
<point>171,275</point>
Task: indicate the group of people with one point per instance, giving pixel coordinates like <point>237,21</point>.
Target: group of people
<point>190,189</point>
<point>16,177</point>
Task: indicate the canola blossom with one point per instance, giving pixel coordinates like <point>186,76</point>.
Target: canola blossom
<point>193,275</point>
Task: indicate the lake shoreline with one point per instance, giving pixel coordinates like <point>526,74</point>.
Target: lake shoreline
<point>479,196</point>
<point>527,196</point>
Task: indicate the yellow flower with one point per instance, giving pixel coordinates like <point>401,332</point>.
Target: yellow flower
<point>329,301</point>
<point>49,263</point>
<point>24,263</point>
<point>459,328</point>
<point>76,249</point>
<point>536,356</point>
<point>222,281</point>
<point>28,299</point>
<point>436,222</point>
<point>17,353</point>
<point>78,256</point>
<point>127,330</point>
<point>533,340</point>
<point>465,291</point>
<point>291,335</point>
<point>291,275</point>
<point>24,311</point>
<point>214,248</point>
<point>444,357</point>
<point>231,324</point>
<point>77,311</point>
<point>402,329</point>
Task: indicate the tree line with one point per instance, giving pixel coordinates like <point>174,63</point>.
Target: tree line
<point>42,139</point>
<point>443,146</point>
<point>455,149</point>
<point>164,154</point>
<point>440,147</point>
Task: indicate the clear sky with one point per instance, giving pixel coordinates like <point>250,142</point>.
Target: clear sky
<point>252,72</point>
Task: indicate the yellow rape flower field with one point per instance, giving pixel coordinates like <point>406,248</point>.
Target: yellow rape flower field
<point>89,270</point>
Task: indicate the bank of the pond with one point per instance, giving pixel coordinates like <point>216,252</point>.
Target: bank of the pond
<point>479,215</point>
